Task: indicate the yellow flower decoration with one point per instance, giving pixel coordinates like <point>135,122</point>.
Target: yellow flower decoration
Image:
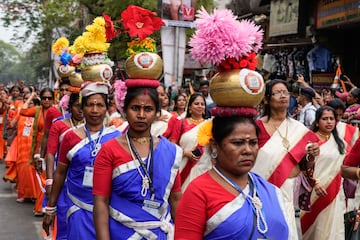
<point>204,134</point>
<point>136,46</point>
<point>93,40</point>
<point>59,45</point>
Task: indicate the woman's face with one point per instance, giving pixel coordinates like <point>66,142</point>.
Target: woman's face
<point>327,122</point>
<point>15,93</point>
<point>280,97</point>
<point>64,90</point>
<point>26,97</point>
<point>162,94</point>
<point>47,100</point>
<point>181,102</point>
<point>197,107</point>
<point>26,90</point>
<point>350,99</point>
<point>237,152</point>
<point>76,112</point>
<point>94,110</point>
<point>165,101</point>
<point>3,95</point>
<point>141,113</point>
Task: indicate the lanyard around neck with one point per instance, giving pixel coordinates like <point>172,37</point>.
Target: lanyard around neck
<point>149,171</point>
<point>94,145</point>
<point>254,200</point>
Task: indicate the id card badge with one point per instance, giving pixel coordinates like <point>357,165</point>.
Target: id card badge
<point>152,207</point>
<point>1,120</point>
<point>88,176</point>
<point>26,132</point>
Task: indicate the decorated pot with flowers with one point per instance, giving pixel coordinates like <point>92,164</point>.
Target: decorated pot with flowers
<point>65,70</point>
<point>237,87</point>
<point>143,61</point>
<point>96,67</point>
<point>93,45</point>
<point>60,49</point>
<point>230,45</point>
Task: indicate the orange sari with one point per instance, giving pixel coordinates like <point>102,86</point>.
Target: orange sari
<point>31,112</point>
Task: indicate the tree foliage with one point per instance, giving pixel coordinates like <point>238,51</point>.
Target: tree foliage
<point>50,19</point>
<point>13,66</point>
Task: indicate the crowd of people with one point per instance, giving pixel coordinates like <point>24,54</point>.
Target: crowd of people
<point>94,190</point>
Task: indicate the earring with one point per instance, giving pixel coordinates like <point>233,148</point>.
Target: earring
<point>213,154</point>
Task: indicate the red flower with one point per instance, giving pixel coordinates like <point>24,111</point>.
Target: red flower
<point>140,22</point>
<point>109,28</point>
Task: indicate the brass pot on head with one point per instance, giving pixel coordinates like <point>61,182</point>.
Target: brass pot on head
<point>97,73</point>
<point>144,65</point>
<point>76,79</point>
<point>237,88</point>
<point>65,70</point>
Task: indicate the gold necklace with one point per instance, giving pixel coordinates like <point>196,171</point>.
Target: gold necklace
<point>285,141</point>
<point>196,121</point>
<point>323,135</point>
<point>141,140</point>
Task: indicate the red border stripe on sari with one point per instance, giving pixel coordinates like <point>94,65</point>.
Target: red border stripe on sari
<point>291,159</point>
<point>321,203</point>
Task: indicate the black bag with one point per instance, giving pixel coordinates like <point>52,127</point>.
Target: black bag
<point>352,225</point>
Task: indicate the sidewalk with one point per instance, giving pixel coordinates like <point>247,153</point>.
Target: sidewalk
<point>17,220</point>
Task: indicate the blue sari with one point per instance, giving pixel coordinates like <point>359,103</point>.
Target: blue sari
<point>80,199</point>
<point>236,220</point>
<point>128,219</point>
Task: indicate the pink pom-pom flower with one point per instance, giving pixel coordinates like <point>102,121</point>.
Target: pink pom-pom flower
<point>220,36</point>
<point>64,101</point>
<point>120,93</point>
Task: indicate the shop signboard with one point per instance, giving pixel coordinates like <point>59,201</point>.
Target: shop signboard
<point>178,13</point>
<point>284,17</point>
<point>322,80</point>
<point>337,12</point>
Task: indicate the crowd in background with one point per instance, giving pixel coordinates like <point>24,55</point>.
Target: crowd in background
<point>28,117</point>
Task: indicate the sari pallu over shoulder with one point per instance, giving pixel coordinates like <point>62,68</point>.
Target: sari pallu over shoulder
<point>225,223</point>
<point>80,198</point>
<point>324,221</point>
<point>274,162</point>
<point>128,218</point>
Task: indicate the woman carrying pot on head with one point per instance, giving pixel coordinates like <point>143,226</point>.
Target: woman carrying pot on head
<point>229,201</point>
<point>136,179</point>
<point>77,155</point>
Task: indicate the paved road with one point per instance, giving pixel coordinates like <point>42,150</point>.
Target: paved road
<point>16,220</point>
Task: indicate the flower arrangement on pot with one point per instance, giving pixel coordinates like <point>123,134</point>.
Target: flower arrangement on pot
<point>138,23</point>
<point>93,44</point>
<point>231,45</point>
<point>69,62</point>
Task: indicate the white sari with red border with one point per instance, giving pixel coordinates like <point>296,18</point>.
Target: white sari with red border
<point>274,162</point>
<point>325,220</point>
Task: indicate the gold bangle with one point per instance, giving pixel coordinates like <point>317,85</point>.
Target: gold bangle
<point>358,173</point>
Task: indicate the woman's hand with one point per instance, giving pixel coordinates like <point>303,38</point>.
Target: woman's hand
<point>320,190</point>
<point>48,221</point>
<point>313,149</point>
<point>163,118</point>
<point>190,155</point>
